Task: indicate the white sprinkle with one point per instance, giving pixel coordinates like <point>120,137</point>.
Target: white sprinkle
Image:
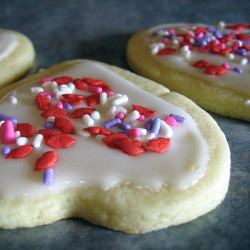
<point>50,119</point>
<point>36,90</point>
<point>147,137</point>
<point>120,100</point>
<point>221,25</point>
<point>37,140</point>
<point>231,56</point>
<point>240,43</point>
<point>82,133</point>
<point>111,110</point>
<point>134,115</point>
<point>72,86</point>
<point>155,47</point>
<point>66,89</point>
<point>54,85</point>
<point>143,131</point>
<point>187,54</point>
<point>47,84</point>
<point>13,99</point>
<point>243,61</point>
<point>20,141</point>
<point>166,130</point>
<point>113,97</point>
<point>175,41</point>
<point>121,109</point>
<point>247,102</point>
<point>18,134</point>
<point>96,115</point>
<point>88,121</point>
<point>103,98</point>
<point>184,48</point>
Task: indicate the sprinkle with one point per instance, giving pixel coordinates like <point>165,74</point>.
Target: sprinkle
<point>79,113</point>
<point>4,117</point>
<point>111,110</point>
<point>38,141</point>
<point>51,119</point>
<point>95,90</point>
<point>148,124</point>
<point>166,130</point>
<point>178,118</point>
<point>125,126</point>
<point>20,141</point>
<point>103,98</point>
<point>18,134</point>
<point>156,126</point>
<point>49,124</point>
<point>20,152</point>
<point>143,131</point>
<point>13,100</point>
<point>60,141</point>
<point>43,102</point>
<point>36,90</point>
<point>56,112</point>
<point>121,109</point>
<point>170,121</point>
<point>46,79</point>
<point>64,125</point>
<point>48,176</point>
<point>80,84</point>
<point>92,100</point>
<point>238,70</point>
<point>67,106</point>
<point>243,61</point>
<point>247,102</point>
<point>142,117</point>
<point>96,116</point>
<point>47,160</point>
<point>59,105</point>
<point>134,115</point>
<point>158,145</point>
<point>7,133</point>
<point>110,140</point>
<point>71,85</point>
<point>6,150</point>
<point>120,115</point>
<point>112,123</point>
<point>98,131</point>
<point>88,121</point>
<point>221,25</point>
<point>120,100</point>
<point>26,129</point>
<point>144,111</point>
<point>149,136</point>
<point>134,132</point>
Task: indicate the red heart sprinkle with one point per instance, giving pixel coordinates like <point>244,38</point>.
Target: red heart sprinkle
<point>63,80</point>
<point>166,51</point>
<point>158,145</point>
<point>60,141</point>
<point>20,152</point>
<point>49,132</point>
<point>47,160</point>
<point>111,139</point>
<point>98,131</point>
<point>80,84</point>
<point>202,64</point>
<point>92,100</point>
<point>74,97</point>
<point>94,82</point>
<point>43,102</point>
<point>26,129</point>
<point>144,111</point>
<point>129,146</point>
<point>56,112</point>
<point>72,102</point>
<point>64,125</point>
<point>79,113</point>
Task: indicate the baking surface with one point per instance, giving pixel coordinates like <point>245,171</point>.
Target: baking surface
<point>99,30</point>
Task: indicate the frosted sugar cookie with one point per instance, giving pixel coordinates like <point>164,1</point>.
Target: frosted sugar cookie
<point>90,140</point>
<point>16,55</point>
<point>209,64</point>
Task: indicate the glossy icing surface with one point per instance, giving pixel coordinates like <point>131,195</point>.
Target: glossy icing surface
<point>8,42</point>
<point>236,81</point>
<point>89,162</point>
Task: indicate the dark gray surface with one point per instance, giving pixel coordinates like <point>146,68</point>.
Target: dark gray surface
<point>63,30</point>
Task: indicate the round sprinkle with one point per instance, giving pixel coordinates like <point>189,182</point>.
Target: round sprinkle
<point>20,141</point>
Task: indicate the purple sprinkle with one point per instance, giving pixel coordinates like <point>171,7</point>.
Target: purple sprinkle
<point>125,126</point>
<point>211,29</point>
<point>67,106</point>
<point>48,176</point>
<point>178,118</point>
<point>112,123</point>
<point>241,52</point>
<point>4,117</point>
<point>6,150</point>
<point>49,125</point>
<point>156,126</point>
<point>148,124</point>
<point>238,70</point>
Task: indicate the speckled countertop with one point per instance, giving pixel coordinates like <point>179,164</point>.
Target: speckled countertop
<point>99,30</point>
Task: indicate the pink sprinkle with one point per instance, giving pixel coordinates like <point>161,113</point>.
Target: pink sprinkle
<point>46,79</point>
<point>95,90</point>
<point>7,133</point>
<point>109,92</point>
<point>120,115</point>
<point>226,65</point>
<point>59,105</point>
<point>200,35</point>
<point>134,132</point>
<point>171,31</point>
<point>142,117</point>
<point>165,40</point>
<point>223,45</point>
<point>170,121</point>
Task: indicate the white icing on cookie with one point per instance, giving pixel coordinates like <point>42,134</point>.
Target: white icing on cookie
<point>89,162</point>
<point>8,43</point>
<point>182,62</point>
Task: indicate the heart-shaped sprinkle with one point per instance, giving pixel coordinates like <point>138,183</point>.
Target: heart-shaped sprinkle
<point>64,125</point>
<point>47,160</point>
<point>129,146</point>
<point>79,113</point>
<point>80,84</point>
<point>60,141</point>
<point>56,112</point>
<point>63,80</point>
<point>158,145</point>
<point>26,129</point>
<point>111,139</point>
<point>20,152</point>
<point>98,131</point>
<point>43,101</point>
<point>144,111</point>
